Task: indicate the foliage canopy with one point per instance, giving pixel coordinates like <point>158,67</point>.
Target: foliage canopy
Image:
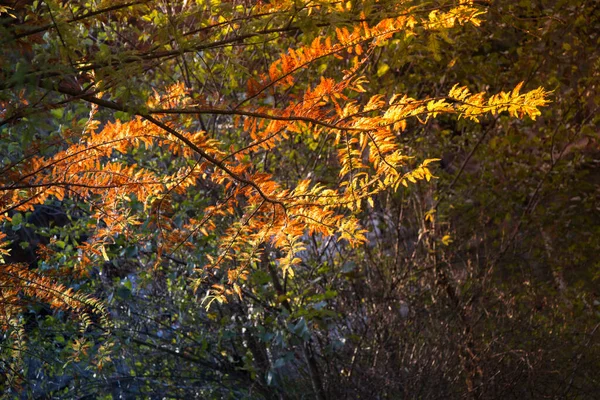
<point>217,166</point>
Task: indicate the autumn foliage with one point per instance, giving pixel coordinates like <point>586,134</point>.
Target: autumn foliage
<point>135,86</point>
<point>363,133</point>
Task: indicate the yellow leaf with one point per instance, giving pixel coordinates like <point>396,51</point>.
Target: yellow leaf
<point>237,290</point>
<point>104,255</point>
<point>430,160</point>
<point>383,68</point>
<point>446,240</point>
<point>430,215</point>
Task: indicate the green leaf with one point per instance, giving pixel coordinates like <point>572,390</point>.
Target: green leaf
<point>124,293</point>
<point>17,220</point>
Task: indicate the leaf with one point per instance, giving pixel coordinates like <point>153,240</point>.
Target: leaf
<point>382,69</point>
<point>104,255</point>
<point>446,240</point>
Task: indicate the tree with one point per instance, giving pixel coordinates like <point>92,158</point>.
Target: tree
<point>487,305</point>
<point>202,159</point>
